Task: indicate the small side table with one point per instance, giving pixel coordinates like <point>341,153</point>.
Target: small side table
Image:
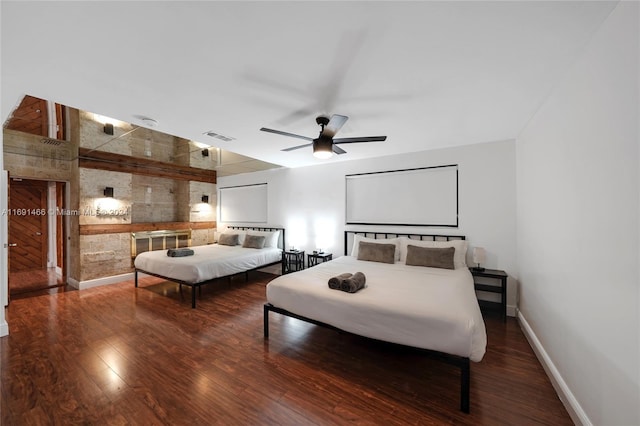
<point>501,289</point>
<point>314,258</point>
<point>292,261</point>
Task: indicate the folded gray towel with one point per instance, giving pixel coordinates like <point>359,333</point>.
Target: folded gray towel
<point>336,282</point>
<point>354,283</point>
<point>179,252</point>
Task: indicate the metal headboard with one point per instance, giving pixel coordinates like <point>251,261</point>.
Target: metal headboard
<point>384,235</point>
<point>281,240</point>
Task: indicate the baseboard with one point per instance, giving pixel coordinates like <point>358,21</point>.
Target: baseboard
<point>512,311</point>
<point>83,285</point>
<point>73,283</point>
<point>570,402</point>
<point>4,329</point>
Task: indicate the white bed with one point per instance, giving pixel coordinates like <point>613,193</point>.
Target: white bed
<point>429,308</point>
<point>214,261</point>
<point>208,262</point>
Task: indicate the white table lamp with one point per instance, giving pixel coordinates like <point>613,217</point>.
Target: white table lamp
<point>479,256</point>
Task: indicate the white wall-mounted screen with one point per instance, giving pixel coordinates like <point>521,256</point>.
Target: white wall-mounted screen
<point>243,204</point>
<point>419,197</point>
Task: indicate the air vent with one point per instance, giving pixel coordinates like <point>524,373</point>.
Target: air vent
<point>49,141</point>
<point>219,136</point>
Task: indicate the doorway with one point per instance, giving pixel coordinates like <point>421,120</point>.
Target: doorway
<point>36,236</point>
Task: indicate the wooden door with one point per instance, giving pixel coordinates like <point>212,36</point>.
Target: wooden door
<point>27,225</point>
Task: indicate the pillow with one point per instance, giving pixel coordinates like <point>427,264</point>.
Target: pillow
<point>271,237</point>
<point>254,241</point>
<point>239,232</point>
<point>459,258</point>
<point>359,238</point>
<point>374,252</point>
<point>229,239</point>
<point>430,256</point>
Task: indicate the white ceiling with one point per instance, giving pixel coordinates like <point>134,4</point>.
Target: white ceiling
<point>426,74</point>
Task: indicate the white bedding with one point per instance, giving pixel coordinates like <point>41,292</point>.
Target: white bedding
<point>207,262</point>
<point>428,308</point>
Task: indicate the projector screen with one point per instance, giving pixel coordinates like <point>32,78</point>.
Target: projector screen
<point>420,197</point>
<point>243,204</point>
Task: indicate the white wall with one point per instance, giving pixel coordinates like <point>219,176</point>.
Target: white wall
<point>310,201</point>
<point>577,227</point>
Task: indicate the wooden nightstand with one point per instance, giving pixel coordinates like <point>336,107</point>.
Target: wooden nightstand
<point>500,289</point>
<point>292,261</point>
<point>314,258</point>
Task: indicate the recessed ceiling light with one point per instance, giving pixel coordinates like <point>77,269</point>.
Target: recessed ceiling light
<point>149,122</point>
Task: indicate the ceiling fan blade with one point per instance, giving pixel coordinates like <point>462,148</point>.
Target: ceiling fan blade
<point>279,132</point>
<point>338,150</point>
<point>296,147</point>
<point>361,139</point>
<point>335,124</point>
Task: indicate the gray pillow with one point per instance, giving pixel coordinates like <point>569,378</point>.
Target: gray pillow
<point>254,241</point>
<point>430,256</point>
<point>229,239</point>
<point>374,252</point>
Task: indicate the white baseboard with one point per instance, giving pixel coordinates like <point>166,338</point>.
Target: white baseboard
<point>570,402</point>
<point>512,311</point>
<point>4,329</point>
<point>73,283</point>
<point>83,285</point>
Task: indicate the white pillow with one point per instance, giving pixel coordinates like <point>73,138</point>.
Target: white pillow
<point>357,238</point>
<point>241,234</point>
<point>270,237</point>
<point>459,258</point>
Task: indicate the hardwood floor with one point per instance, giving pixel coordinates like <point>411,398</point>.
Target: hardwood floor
<point>33,280</point>
<point>120,355</point>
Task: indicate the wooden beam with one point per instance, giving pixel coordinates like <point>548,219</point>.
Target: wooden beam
<point>101,160</point>
<point>138,227</point>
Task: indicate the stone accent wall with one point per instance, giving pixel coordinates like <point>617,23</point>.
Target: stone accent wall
<point>105,255</point>
<point>97,256</point>
<point>201,237</point>
<point>36,157</point>
<point>202,212</point>
<point>95,208</point>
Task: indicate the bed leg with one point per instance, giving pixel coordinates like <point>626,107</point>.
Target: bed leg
<point>193,297</point>
<point>135,279</point>
<point>465,376</point>
<point>266,321</point>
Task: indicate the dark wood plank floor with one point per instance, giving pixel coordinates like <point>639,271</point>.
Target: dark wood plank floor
<point>33,280</point>
<point>120,355</point>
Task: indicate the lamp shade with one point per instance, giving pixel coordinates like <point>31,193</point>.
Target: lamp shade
<point>479,255</point>
<point>323,148</point>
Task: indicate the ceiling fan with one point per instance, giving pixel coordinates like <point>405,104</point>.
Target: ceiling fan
<point>325,145</point>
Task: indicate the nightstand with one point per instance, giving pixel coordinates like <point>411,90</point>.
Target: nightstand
<point>292,261</point>
<point>314,258</point>
<point>493,274</point>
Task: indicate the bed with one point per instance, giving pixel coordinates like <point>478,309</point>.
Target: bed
<point>431,309</point>
<point>210,262</point>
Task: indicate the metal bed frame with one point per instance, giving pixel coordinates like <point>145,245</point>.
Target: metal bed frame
<point>463,363</point>
<point>198,285</point>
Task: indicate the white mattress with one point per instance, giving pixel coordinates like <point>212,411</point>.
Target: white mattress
<point>207,262</point>
<point>428,308</point>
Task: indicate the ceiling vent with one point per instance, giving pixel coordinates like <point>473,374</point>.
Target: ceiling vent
<point>49,141</point>
<point>219,136</point>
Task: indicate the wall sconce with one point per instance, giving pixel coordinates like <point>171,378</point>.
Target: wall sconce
<point>108,128</point>
<point>205,198</point>
<point>479,256</point>
<point>108,192</point>
<point>205,152</point>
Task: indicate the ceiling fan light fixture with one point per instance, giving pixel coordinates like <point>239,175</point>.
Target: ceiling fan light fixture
<point>322,148</point>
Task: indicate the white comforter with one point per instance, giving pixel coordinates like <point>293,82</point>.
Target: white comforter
<point>428,308</point>
<point>207,262</point>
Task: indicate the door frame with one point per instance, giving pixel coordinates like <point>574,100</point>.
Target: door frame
<point>66,240</point>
